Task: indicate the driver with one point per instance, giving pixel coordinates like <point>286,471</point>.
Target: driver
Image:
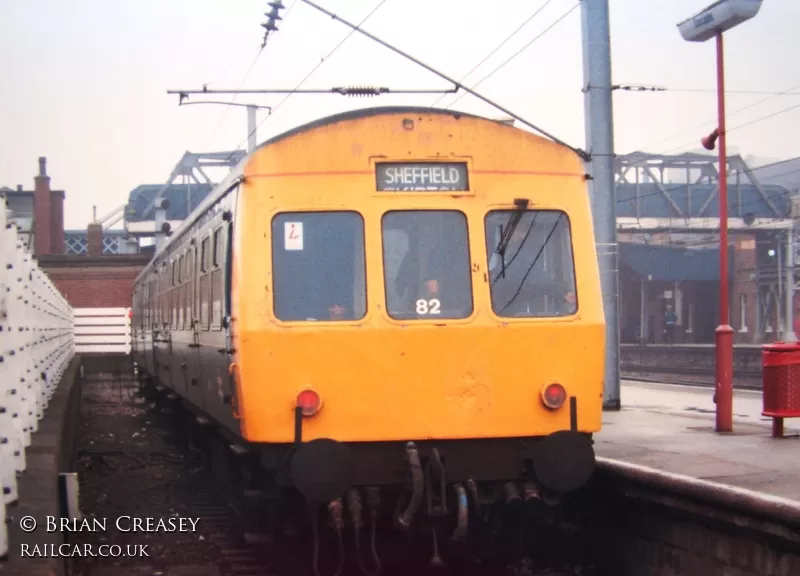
<point>519,290</point>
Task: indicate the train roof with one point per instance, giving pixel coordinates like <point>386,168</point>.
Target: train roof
<point>369,112</point>
<point>238,171</point>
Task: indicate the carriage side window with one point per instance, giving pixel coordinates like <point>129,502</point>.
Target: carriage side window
<point>318,266</point>
<point>535,277</point>
<point>426,264</point>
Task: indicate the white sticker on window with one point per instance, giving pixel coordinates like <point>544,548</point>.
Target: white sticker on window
<point>293,236</point>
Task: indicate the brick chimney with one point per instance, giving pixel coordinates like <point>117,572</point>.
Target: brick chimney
<point>94,239</point>
<point>42,211</point>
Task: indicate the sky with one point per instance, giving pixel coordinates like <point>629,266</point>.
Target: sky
<point>84,82</point>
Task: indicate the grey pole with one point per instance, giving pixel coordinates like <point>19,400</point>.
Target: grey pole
<point>600,144</point>
<point>788,291</point>
<point>251,129</point>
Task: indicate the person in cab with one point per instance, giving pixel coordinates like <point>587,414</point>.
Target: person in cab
<point>520,284</point>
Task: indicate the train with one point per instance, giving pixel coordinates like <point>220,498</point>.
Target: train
<point>390,300</point>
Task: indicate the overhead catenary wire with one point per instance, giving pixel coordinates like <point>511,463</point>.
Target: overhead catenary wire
<point>313,70</point>
<point>645,88</point>
<point>738,126</point>
<point>731,113</point>
<point>516,54</point>
<point>581,153</point>
<point>324,59</point>
<point>498,47</point>
<point>233,100</point>
<point>244,80</point>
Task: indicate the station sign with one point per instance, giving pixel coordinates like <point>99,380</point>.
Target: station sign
<point>422,176</point>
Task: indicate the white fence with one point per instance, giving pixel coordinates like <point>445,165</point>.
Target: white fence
<point>102,330</point>
<point>36,345</point>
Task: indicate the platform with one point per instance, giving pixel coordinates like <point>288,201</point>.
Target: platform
<point>671,428</point>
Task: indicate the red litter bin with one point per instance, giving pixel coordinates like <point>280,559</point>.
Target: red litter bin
<point>781,383</point>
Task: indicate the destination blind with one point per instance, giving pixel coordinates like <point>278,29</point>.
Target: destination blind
<point>422,176</point>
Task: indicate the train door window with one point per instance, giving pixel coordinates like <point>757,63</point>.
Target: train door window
<point>427,264</point>
<point>318,267</point>
<point>164,295</point>
<point>142,314</point>
<point>217,281</point>
<point>535,277</point>
<point>156,301</point>
<point>204,254</point>
<point>186,285</point>
<point>161,295</point>
<point>151,296</point>
<point>196,298</point>
<point>204,295</point>
<point>228,267</point>
<point>189,303</point>
<point>174,297</point>
<point>181,290</point>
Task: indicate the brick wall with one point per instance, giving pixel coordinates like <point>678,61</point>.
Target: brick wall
<point>641,532</point>
<point>95,281</point>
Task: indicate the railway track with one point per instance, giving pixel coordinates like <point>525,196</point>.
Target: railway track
<point>743,379</point>
<point>627,520</point>
<point>134,463</point>
<point>131,465</point>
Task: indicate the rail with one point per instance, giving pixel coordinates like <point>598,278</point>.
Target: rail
<point>36,345</point>
<point>102,330</point>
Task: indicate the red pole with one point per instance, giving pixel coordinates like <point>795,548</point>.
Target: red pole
<point>724,333</point>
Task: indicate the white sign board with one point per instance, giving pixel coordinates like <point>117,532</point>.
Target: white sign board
<point>293,236</point>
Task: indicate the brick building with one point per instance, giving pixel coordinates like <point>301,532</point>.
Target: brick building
<point>93,279</point>
<point>41,205</point>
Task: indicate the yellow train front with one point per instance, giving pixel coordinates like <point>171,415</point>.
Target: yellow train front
<point>413,289</point>
<point>388,298</point>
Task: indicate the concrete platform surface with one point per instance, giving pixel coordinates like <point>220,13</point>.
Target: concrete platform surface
<point>671,428</point>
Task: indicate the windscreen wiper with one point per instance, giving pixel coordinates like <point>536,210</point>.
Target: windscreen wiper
<point>521,205</point>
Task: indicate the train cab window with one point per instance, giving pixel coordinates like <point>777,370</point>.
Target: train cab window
<point>318,267</point>
<point>427,264</point>
<point>536,275</point>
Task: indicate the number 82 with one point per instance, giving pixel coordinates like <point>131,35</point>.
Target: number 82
<point>428,306</point>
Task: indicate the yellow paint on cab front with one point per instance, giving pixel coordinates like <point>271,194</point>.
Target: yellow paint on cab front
<point>382,379</point>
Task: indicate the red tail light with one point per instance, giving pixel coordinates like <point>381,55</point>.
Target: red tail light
<point>554,396</point>
<point>309,402</point>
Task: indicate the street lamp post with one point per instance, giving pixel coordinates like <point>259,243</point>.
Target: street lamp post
<point>710,23</point>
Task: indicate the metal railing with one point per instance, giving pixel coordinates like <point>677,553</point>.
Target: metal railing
<point>102,330</point>
<point>36,345</point>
